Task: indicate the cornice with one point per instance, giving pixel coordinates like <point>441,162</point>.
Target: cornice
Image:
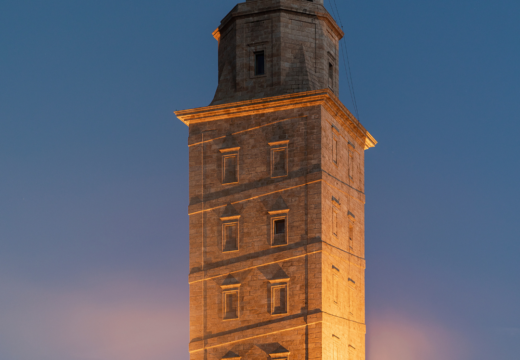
<point>324,97</point>
<point>244,9</point>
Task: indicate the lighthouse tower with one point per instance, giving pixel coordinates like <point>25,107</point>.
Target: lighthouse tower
<point>276,166</point>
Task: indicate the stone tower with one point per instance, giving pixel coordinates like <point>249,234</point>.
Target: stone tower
<point>277,267</point>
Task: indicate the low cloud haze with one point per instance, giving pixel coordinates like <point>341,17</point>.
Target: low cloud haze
<point>399,336</point>
<point>94,174</point>
<point>119,319</point>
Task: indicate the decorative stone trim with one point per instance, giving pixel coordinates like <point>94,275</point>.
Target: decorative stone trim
<point>228,218</point>
<point>277,212</point>
<point>230,286</point>
<point>278,143</point>
<point>280,355</point>
<point>235,149</point>
<point>281,280</point>
<point>323,97</point>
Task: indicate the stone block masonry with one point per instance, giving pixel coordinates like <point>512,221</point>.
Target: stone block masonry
<point>276,195</point>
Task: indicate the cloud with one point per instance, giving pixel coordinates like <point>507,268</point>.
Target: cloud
<point>118,320</point>
<point>400,337</point>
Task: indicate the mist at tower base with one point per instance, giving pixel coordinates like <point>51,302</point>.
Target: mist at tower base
<point>93,221</point>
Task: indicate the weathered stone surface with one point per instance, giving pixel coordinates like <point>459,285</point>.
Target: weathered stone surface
<point>293,286</point>
<point>299,39</point>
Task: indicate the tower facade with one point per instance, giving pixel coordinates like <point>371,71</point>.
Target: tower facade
<point>277,261</point>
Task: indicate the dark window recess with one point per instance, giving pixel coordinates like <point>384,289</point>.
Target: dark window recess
<point>279,227</point>
<point>230,237</point>
<point>230,169</point>
<point>280,300</point>
<point>259,63</point>
<point>279,232</point>
<point>351,236</point>
<point>279,162</point>
<point>231,306</point>
<point>335,150</point>
<point>331,75</point>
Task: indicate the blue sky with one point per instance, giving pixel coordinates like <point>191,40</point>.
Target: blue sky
<point>93,180</point>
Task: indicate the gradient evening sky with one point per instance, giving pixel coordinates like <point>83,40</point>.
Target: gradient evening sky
<point>94,174</point>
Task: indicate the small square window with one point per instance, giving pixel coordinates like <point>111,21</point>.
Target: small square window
<point>231,305</point>
<point>259,63</point>
<point>230,169</point>
<point>230,236</point>
<point>279,231</point>
<point>279,299</point>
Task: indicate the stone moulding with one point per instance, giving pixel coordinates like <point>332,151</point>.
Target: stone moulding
<point>277,143</point>
<point>228,218</point>
<point>279,6</point>
<point>230,286</point>
<point>324,97</point>
<point>281,280</point>
<point>277,212</point>
<point>227,150</point>
<point>280,355</point>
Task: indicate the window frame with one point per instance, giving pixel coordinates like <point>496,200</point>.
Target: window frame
<point>226,291</point>
<point>279,146</point>
<point>334,150</point>
<point>331,76</point>
<point>279,284</point>
<point>335,231</point>
<point>275,216</point>
<point>229,153</point>
<point>256,55</point>
<point>351,230</point>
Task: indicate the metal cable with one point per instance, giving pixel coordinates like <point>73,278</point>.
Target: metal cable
<point>346,63</point>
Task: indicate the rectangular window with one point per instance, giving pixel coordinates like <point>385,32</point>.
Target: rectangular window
<point>230,236</point>
<point>231,305</point>
<point>279,162</point>
<point>279,299</point>
<point>335,288</point>
<point>352,294</point>
<point>279,227</point>
<point>334,222</point>
<point>279,231</point>
<point>230,169</point>
<point>331,75</point>
<point>351,235</point>
<point>351,165</point>
<point>335,150</point>
<point>259,63</point>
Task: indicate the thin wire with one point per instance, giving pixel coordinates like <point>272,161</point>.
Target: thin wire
<point>346,63</point>
<point>347,69</point>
